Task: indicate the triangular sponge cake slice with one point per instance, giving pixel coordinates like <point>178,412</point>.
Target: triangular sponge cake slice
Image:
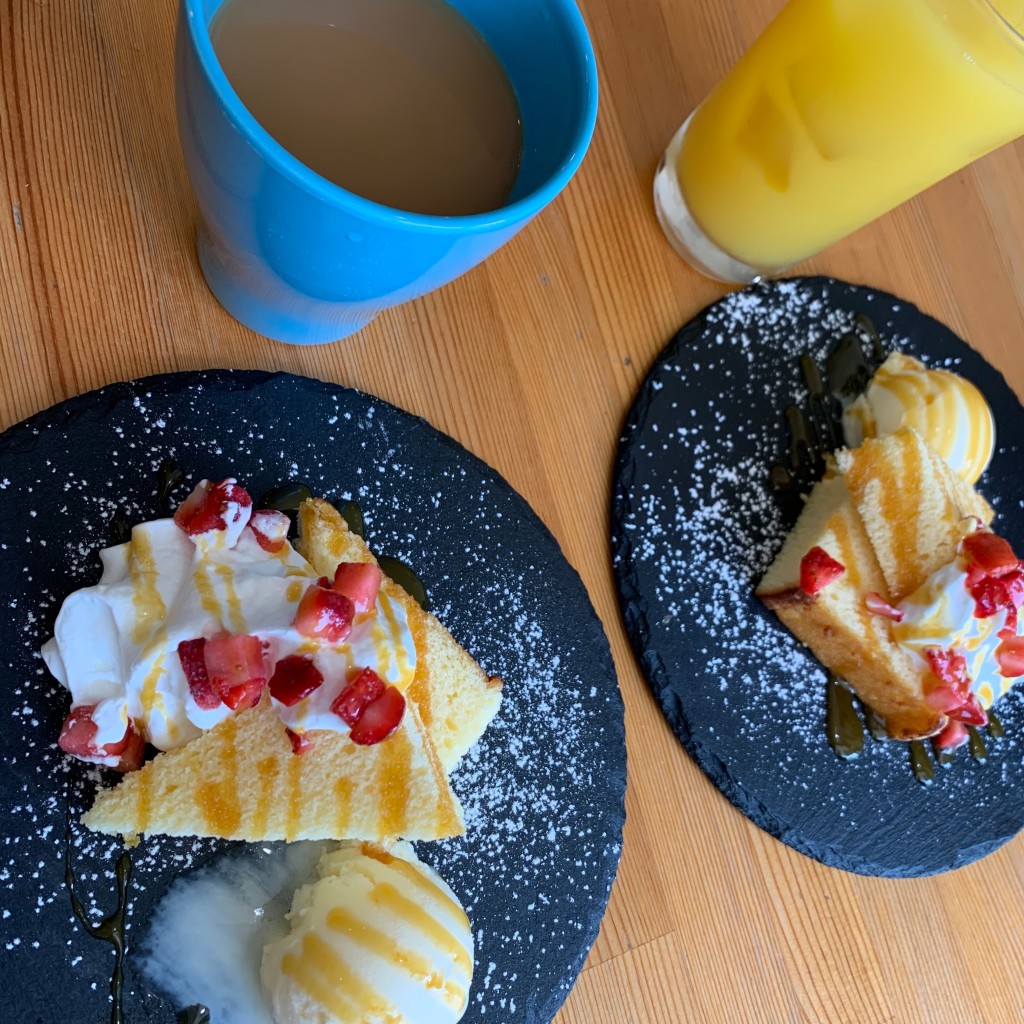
<point>241,780</point>
<point>911,504</point>
<point>455,697</point>
<point>836,622</point>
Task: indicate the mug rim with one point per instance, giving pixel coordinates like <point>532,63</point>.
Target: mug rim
<point>290,166</point>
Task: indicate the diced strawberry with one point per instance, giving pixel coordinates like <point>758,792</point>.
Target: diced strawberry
<point>971,712</point>
<point>270,528</point>
<point>359,582</point>
<point>950,667</point>
<point>878,605</point>
<point>945,698</point>
<point>380,718</point>
<point>324,615</point>
<point>236,670</point>
<point>191,654</point>
<point>78,738</point>
<point>294,679</point>
<point>992,554</point>
<point>79,732</point>
<point>817,570</point>
<point>363,689</point>
<point>130,750</point>
<point>300,744</point>
<point>953,736</point>
<point>1010,655</point>
<point>211,507</point>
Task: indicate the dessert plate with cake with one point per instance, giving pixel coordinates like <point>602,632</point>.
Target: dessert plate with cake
<point>195,677</point>
<point>816,506</point>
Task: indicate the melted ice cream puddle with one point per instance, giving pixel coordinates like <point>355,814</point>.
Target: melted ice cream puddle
<point>205,940</point>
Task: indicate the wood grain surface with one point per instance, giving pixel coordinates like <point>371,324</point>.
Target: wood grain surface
<point>531,361</point>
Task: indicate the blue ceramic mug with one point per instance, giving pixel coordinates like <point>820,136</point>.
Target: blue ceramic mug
<point>299,259</point>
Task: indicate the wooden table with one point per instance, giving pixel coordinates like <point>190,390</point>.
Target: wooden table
<point>531,362</point>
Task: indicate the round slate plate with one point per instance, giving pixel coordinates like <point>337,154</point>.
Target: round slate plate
<point>543,791</point>
<point>695,526</point>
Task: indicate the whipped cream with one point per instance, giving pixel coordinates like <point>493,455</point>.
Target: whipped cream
<point>949,413</point>
<point>115,644</point>
<point>379,938</point>
<point>941,614</point>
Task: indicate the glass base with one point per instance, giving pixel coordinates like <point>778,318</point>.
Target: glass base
<point>685,234</point>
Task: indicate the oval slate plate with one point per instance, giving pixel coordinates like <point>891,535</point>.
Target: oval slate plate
<point>543,791</point>
<point>695,526</point>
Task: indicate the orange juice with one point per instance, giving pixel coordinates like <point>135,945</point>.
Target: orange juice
<point>841,110</point>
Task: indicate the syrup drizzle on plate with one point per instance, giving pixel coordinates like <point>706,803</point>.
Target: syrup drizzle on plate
<point>112,927</point>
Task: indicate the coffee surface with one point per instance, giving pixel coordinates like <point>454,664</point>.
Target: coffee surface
<point>399,101</point>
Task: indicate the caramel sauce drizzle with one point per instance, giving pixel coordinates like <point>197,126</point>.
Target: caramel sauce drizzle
<point>419,688</point>
<point>419,967</point>
<point>389,898</point>
<point>207,595</point>
<point>149,605</point>
<point>393,774</point>
<point>112,928</point>
<point>234,605</point>
<point>218,801</point>
<point>318,956</point>
<point>267,770</point>
<point>293,811</point>
<point>343,803</point>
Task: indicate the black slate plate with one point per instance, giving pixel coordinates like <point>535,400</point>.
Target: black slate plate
<point>544,790</point>
<point>695,526</point>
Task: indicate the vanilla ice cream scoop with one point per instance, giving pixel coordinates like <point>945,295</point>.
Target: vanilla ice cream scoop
<point>378,939</point>
<point>948,412</point>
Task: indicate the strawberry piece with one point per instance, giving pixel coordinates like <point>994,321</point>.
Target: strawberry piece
<point>993,555</point>
<point>817,570</point>
<point>380,718</point>
<point>324,615</point>
<point>878,605</point>
<point>210,507</point>
<point>270,529</point>
<point>1010,655</point>
<point>363,689</point>
<point>953,736</point>
<point>78,738</point>
<point>236,670</point>
<point>945,698</point>
<point>191,654</point>
<point>294,679</point>
<point>79,732</point>
<point>971,712</point>
<point>950,667</point>
<point>130,750</point>
<point>359,582</point>
<point>299,742</point>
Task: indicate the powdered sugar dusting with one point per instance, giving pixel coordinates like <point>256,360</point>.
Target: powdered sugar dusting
<point>542,792</point>
<point>698,524</point>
